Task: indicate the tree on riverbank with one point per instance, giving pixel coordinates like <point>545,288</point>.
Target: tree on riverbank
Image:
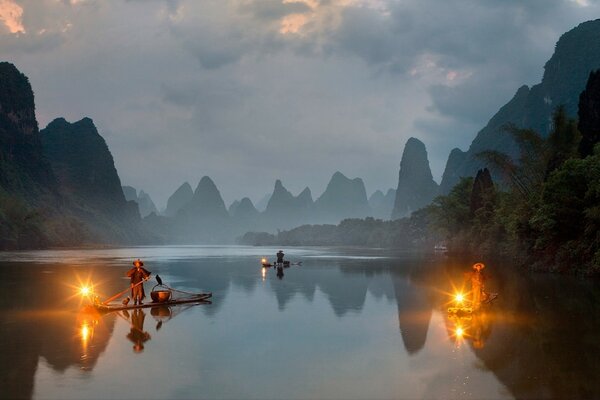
<point>548,214</point>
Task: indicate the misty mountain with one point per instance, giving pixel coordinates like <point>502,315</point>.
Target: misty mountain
<point>88,179</point>
<point>233,206</point>
<point>24,169</point>
<point>261,205</point>
<point>577,53</point>
<point>343,198</point>
<point>181,197</point>
<point>416,187</point>
<point>245,216</point>
<point>207,200</point>
<point>143,199</point>
<point>284,210</point>
<point>205,218</point>
<point>29,196</point>
<point>382,204</point>
<point>130,193</point>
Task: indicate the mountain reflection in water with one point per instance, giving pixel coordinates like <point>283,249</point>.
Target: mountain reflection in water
<point>539,339</point>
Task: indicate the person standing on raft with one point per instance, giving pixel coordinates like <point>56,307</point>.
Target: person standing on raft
<point>279,256</point>
<point>477,286</point>
<point>138,274</point>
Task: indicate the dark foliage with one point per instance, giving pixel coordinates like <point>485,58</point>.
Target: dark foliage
<point>407,233</point>
<point>483,187</point>
<point>589,115</point>
<point>548,219</point>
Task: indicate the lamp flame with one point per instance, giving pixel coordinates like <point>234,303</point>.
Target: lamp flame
<point>86,291</point>
<point>459,297</point>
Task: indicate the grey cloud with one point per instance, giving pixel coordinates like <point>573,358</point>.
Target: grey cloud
<point>272,9</point>
<point>182,89</point>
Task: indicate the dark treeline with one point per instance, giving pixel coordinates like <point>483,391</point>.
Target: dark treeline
<point>544,212</point>
<point>403,234</point>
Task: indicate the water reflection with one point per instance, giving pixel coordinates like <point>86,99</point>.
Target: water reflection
<point>540,339</point>
<point>137,335</point>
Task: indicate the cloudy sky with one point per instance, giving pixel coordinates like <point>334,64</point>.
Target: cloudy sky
<point>249,91</point>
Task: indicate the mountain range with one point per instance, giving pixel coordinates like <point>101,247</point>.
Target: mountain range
<point>59,186</point>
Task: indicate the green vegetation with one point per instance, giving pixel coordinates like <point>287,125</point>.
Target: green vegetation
<point>548,216</point>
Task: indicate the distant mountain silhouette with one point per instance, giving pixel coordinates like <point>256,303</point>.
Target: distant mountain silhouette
<point>88,178</point>
<point>233,206</point>
<point>416,187</point>
<point>244,217</point>
<point>205,217</point>
<point>143,200</point>
<point>180,198</point>
<point>207,201</point>
<point>261,205</point>
<point>343,198</point>
<point>284,210</point>
<point>130,193</point>
<point>245,211</point>
<point>382,204</point>
<point>24,170</point>
<point>29,196</point>
<point>577,53</point>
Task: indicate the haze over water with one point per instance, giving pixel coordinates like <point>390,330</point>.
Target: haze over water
<point>345,324</point>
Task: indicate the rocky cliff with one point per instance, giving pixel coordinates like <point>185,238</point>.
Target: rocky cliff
<point>24,171</point>
<point>382,204</point>
<point>245,215</point>
<point>180,198</point>
<point>416,187</point>
<point>343,198</point>
<point>205,218</point>
<point>130,193</point>
<point>284,210</point>
<point>577,53</point>
<point>89,182</point>
<point>143,200</point>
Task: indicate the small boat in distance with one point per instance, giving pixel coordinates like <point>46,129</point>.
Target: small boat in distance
<point>440,248</point>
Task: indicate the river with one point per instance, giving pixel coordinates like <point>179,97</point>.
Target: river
<point>347,323</point>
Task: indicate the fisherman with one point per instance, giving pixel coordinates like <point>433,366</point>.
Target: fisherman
<point>477,286</point>
<point>137,275</point>
<point>280,257</point>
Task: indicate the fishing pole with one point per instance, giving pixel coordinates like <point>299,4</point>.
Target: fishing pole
<point>123,292</point>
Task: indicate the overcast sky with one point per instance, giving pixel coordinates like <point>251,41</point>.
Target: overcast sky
<point>249,91</point>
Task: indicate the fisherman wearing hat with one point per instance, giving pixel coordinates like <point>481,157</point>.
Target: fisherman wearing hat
<point>477,285</point>
<point>279,256</point>
<point>138,274</point>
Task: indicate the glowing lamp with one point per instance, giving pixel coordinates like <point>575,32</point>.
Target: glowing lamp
<point>85,291</point>
<point>459,332</point>
<point>459,297</point>
<point>264,260</point>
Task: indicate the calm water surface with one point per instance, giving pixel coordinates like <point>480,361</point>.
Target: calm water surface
<point>345,324</point>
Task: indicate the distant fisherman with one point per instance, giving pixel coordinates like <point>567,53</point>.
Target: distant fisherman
<point>280,257</point>
<point>137,275</point>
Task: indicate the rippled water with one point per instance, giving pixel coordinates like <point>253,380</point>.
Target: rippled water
<point>348,323</point>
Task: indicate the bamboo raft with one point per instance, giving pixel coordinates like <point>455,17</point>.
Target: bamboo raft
<point>201,298</point>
